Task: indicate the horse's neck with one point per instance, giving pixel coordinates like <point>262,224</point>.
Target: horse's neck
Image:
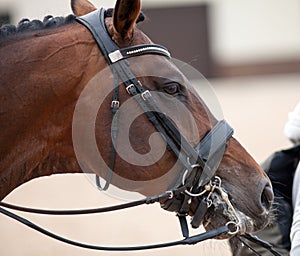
<point>41,79</point>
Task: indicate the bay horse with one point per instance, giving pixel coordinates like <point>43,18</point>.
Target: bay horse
<point>45,68</point>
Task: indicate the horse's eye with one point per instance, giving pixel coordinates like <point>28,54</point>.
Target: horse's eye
<point>171,88</point>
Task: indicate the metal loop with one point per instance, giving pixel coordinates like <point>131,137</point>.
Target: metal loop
<point>217,182</point>
<point>195,195</point>
<point>171,194</point>
<point>192,166</point>
<point>184,176</point>
<point>235,226</point>
<point>209,202</point>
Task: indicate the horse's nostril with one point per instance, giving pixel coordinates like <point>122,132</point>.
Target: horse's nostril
<point>267,197</point>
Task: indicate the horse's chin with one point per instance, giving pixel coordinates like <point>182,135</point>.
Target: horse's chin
<point>214,219</point>
<point>218,215</point>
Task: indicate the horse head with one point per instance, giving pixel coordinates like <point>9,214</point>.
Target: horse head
<point>246,184</point>
<point>68,119</point>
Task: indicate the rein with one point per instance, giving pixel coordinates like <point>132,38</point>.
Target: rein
<point>200,163</point>
<point>187,241</point>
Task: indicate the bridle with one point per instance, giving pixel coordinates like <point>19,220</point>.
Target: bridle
<point>200,163</point>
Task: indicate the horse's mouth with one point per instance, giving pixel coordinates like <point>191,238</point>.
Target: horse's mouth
<point>214,219</point>
<point>213,208</point>
<point>219,214</point>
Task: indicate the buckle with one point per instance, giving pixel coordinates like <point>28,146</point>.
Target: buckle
<point>115,103</point>
<point>128,88</point>
<point>146,95</point>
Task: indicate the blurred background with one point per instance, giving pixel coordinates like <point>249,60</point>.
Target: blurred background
<point>250,53</point>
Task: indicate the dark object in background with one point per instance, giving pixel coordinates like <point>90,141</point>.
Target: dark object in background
<point>280,167</point>
<point>184,30</point>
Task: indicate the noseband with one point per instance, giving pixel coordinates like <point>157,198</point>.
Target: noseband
<point>200,163</point>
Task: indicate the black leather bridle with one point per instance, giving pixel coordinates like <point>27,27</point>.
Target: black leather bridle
<point>200,163</point>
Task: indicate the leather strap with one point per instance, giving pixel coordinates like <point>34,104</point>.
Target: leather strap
<point>186,241</point>
<point>211,149</point>
<point>183,225</point>
<point>199,213</point>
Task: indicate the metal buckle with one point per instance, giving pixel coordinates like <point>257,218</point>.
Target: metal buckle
<point>128,88</point>
<point>115,103</point>
<point>145,95</point>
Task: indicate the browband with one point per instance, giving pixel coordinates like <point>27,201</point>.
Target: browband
<point>112,52</point>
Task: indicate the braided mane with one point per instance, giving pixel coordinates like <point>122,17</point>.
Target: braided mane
<point>26,25</point>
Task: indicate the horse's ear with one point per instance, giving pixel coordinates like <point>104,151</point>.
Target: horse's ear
<point>125,15</point>
<point>82,7</point>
